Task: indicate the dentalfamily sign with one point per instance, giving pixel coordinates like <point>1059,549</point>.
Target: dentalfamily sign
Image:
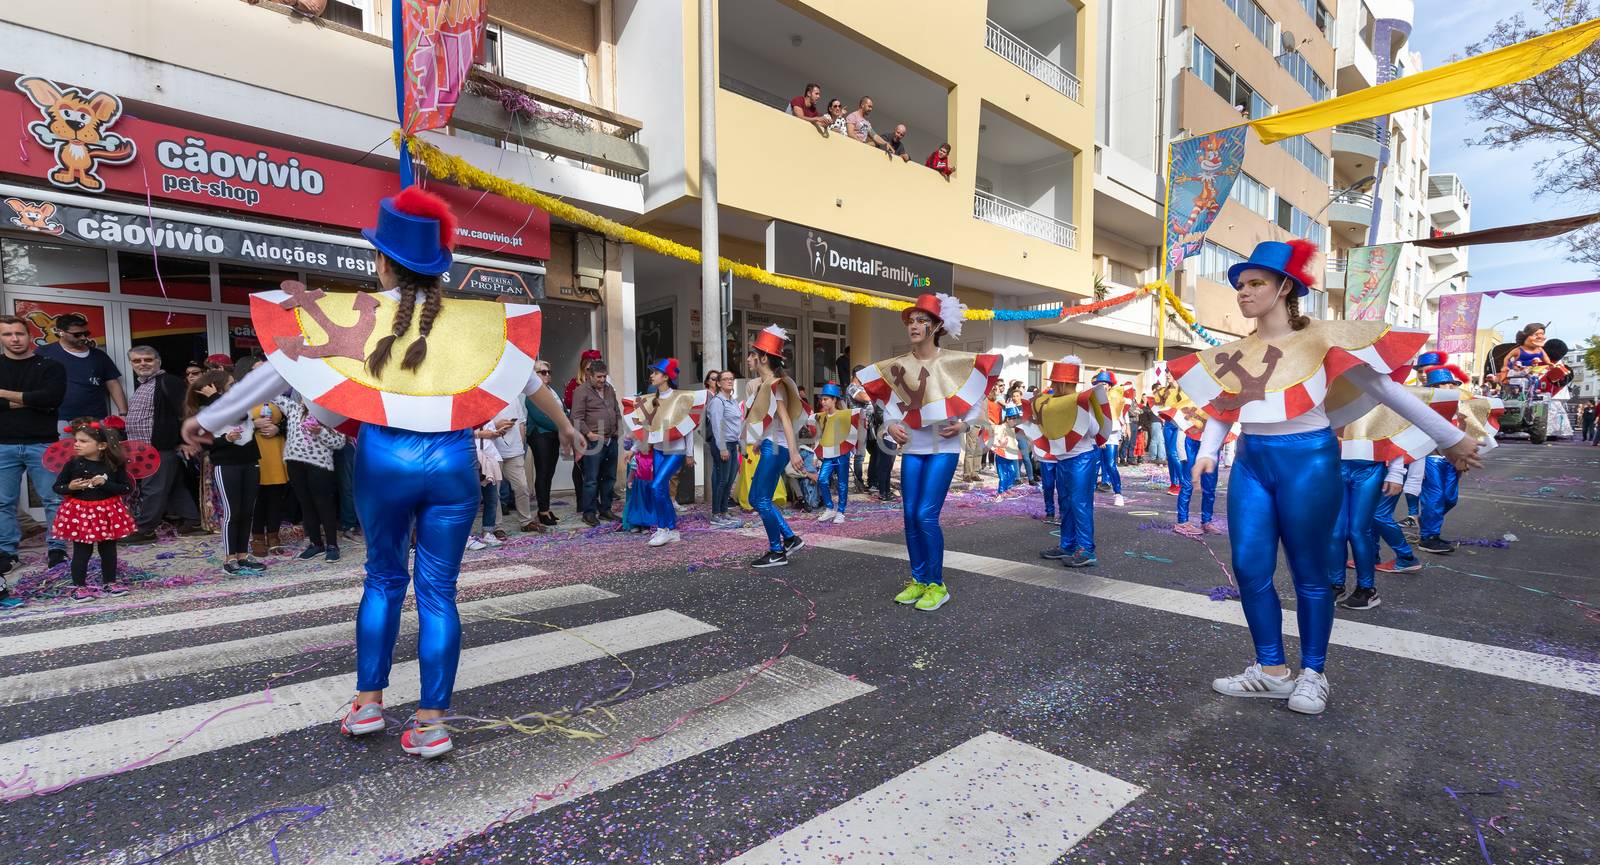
<point>822,256</point>
<point>80,140</point>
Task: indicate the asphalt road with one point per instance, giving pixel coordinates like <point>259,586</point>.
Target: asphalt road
<point>677,707</point>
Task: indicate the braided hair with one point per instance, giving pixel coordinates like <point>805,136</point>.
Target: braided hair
<point>410,284</point>
<point>1296,320</point>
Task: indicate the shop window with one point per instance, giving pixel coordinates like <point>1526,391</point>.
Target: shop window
<point>170,278</point>
<point>51,265</point>
<point>242,340</point>
<point>180,337</point>
<point>41,314</point>
<point>338,284</point>
<point>564,335</point>
<point>237,283</point>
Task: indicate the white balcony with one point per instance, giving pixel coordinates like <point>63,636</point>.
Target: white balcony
<point>1350,209</point>
<point>993,209</point>
<point>1027,58</point>
<point>1449,205</point>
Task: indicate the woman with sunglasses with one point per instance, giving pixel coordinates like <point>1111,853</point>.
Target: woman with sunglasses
<point>545,444</point>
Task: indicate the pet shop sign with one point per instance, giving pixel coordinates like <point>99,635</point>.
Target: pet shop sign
<point>82,142</point>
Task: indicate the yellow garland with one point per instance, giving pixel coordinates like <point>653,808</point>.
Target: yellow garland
<point>450,167</point>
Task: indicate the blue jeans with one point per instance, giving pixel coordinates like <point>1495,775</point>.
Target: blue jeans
<point>724,469</point>
<point>769,471</point>
<point>1441,487</point>
<point>924,485</point>
<point>808,488</point>
<point>1153,446</point>
<point>1285,489</point>
<point>1363,487</point>
<point>599,477</point>
<point>14,460</point>
<point>1047,479</point>
<point>1384,525</point>
<point>489,496</point>
<point>1169,441</point>
<point>344,472</point>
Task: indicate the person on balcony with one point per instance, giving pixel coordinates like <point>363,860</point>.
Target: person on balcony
<point>860,128</point>
<point>805,107</point>
<point>897,143</point>
<point>939,160</point>
<point>835,115</point>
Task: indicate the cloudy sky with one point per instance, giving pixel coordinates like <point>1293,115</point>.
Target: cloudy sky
<point>1500,184</point>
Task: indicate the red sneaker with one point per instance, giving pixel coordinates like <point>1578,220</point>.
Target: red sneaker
<point>363,718</point>
<point>425,742</point>
<point>1173,490</point>
<point>1396,568</point>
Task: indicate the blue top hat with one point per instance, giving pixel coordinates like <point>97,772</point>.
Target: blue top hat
<point>409,240</point>
<point>831,389</point>
<point>1441,376</point>
<point>1427,359</point>
<point>1010,412</point>
<point>668,367</point>
<point>1104,377</point>
<point>1288,260</point>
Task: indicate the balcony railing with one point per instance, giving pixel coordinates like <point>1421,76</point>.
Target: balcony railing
<point>1363,128</point>
<point>1442,185</point>
<point>993,209</point>
<point>1023,56</point>
<point>1345,196</point>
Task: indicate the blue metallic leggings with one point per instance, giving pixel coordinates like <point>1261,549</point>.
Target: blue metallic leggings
<point>1285,488</point>
<point>1047,479</point>
<point>835,471</point>
<point>1441,487</point>
<point>1208,486</point>
<point>1169,439</point>
<point>1384,526</point>
<point>769,470</point>
<point>661,509</point>
<point>430,481</point>
<point>1075,478</point>
<point>1004,469</point>
<point>924,484</point>
<point>1363,488</point>
<point>1108,468</point>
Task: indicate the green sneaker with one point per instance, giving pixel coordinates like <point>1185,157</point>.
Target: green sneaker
<point>933,597</point>
<point>910,593</point>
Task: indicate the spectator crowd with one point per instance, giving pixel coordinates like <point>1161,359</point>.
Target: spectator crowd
<point>830,118</point>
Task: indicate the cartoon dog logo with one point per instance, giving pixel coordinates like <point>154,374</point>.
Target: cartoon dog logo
<point>38,216</point>
<point>75,128</point>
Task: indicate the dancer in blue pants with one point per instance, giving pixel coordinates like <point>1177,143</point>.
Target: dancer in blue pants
<point>1362,481</point>
<point>1441,485</point>
<point>772,413</point>
<point>931,396</point>
<point>1386,529</point>
<point>416,462</point>
<point>1166,398</point>
<point>1073,424</point>
<point>1208,491</point>
<point>836,438</point>
<point>665,424</point>
<point>1110,477</point>
<point>1285,489</point>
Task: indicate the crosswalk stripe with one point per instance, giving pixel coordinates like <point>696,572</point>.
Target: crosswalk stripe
<point>1549,670</point>
<point>58,757</point>
<point>411,811</point>
<point>123,629</point>
<point>63,681</point>
<point>990,799</point>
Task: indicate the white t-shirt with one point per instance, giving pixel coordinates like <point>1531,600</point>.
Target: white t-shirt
<point>513,443</point>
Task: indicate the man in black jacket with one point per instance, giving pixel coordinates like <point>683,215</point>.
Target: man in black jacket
<point>31,390</point>
<point>155,415</point>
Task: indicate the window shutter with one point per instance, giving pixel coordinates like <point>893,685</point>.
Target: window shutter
<point>543,66</point>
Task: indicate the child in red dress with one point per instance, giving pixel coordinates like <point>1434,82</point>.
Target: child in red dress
<point>93,512</point>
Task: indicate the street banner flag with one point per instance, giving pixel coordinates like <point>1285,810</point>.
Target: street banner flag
<point>1458,322</point>
<point>441,39</point>
<point>1509,233</point>
<point>1502,66</point>
<point>1367,281</point>
<point>1202,174</point>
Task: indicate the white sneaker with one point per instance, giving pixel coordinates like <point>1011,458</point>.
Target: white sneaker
<point>476,544</point>
<point>680,508</point>
<point>826,515</point>
<point>1119,501</point>
<point>1253,682</point>
<point>659,538</point>
<point>673,536</point>
<point>489,540</point>
<point>1310,695</point>
<point>838,518</point>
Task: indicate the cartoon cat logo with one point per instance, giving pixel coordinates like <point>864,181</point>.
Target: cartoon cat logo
<point>75,128</point>
<point>37,216</point>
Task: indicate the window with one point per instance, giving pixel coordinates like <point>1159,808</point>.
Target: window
<point>1319,14</point>
<point>1221,78</point>
<point>239,281</point>
<point>1297,66</point>
<point>50,265</point>
<point>1254,195</point>
<point>177,279</point>
<point>355,14</point>
<point>536,64</point>
<point>1255,19</point>
<point>1314,304</point>
<point>1122,273</point>
<point>1300,224</point>
<point>1308,155</point>
<point>1214,262</point>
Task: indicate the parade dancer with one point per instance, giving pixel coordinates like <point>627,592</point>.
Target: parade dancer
<point>1441,483</point>
<point>1194,423</point>
<point>1071,427</point>
<point>1285,486</point>
<point>773,412</point>
<point>1110,477</point>
<point>417,399</point>
<point>1007,453</point>
<point>665,424</point>
<point>837,426</point>
<point>1167,396</point>
<point>931,395</point>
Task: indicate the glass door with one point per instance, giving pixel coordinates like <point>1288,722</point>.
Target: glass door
<point>179,336</point>
<point>827,350</point>
<point>39,310</point>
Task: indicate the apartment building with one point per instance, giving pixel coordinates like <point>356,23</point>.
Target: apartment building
<point>1008,84</point>
<point>1449,211</point>
<point>259,140</point>
<point>1240,60</point>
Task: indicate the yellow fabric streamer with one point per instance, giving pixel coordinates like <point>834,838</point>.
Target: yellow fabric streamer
<point>1502,66</point>
<point>450,167</point>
